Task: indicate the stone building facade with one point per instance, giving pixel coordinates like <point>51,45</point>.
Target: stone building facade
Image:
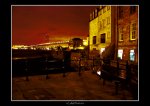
<point>116,25</point>
<point>127,27</point>
<point>102,28</point>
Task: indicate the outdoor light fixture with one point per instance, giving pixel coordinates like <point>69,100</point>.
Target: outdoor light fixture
<point>99,73</point>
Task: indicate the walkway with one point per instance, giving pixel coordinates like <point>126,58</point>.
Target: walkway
<point>88,86</point>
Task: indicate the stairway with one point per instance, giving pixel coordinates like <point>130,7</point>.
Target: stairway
<point>109,52</point>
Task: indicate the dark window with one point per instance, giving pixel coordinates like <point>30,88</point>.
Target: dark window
<point>132,9</point>
<point>103,38</point>
<point>120,12</point>
<point>94,39</point>
<point>121,34</point>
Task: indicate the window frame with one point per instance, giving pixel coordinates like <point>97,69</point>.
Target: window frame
<point>103,39</point>
<point>133,30</point>
<point>94,39</point>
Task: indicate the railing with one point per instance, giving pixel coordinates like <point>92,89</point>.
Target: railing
<point>36,66</point>
<point>121,72</point>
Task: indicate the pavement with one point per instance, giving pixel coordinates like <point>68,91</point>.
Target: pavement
<point>88,86</point>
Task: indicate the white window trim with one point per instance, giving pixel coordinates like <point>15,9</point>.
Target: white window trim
<point>131,27</point>
<point>120,33</point>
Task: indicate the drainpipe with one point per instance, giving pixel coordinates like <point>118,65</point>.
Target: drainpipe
<point>116,33</point>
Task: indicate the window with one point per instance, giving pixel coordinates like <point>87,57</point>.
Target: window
<point>104,9</point>
<point>101,50</point>
<point>100,12</point>
<point>120,53</point>
<point>95,12</point>
<point>108,35</point>
<point>103,38</point>
<point>133,31</point>
<point>90,16</point>
<point>108,20</point>
<point>121,34</point>
<point>132,9</point>
<point>101,25</point>
<point>93,15</point>
<point>132,55</point>
<point>94,39</point>
<point>108,8</point>
<point>100,7</point>
<point>120,12</point>
<point>104,23</point>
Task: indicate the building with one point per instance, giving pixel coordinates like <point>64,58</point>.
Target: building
<point>113,31</point>
<point>76,43</point>
<point>102,29</point>
<point>93,29</point>
<point>128,33</point>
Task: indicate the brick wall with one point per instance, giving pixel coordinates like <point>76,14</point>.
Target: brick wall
<point>125,22</point>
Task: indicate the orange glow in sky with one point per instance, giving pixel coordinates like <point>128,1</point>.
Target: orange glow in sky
<point>39,24</point>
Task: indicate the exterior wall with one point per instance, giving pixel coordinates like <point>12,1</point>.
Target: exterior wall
<point>108,29</point>
<point>116,23</point>
<point>125,22</point>
<point>97,27</point>
<point>93,31</point>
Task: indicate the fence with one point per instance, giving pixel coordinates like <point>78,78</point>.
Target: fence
<point>119,71</point>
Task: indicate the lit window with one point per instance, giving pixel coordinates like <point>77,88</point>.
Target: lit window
<point>102,49</point>
<point>132,55</point>
<point>120,53</point>
<point>121,34</point>
<point>133,31</point>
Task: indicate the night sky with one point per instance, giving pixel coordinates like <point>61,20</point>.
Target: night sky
<point>40,24</point>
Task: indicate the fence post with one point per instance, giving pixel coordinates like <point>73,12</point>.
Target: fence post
<point>26,69</point>
<point>46,68</point>
<point>117,68</point>
<point>93,66</point>
<point>79,67</point>
<point>64,75</point>
<point>128,72</point>
<point>117,82</point>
